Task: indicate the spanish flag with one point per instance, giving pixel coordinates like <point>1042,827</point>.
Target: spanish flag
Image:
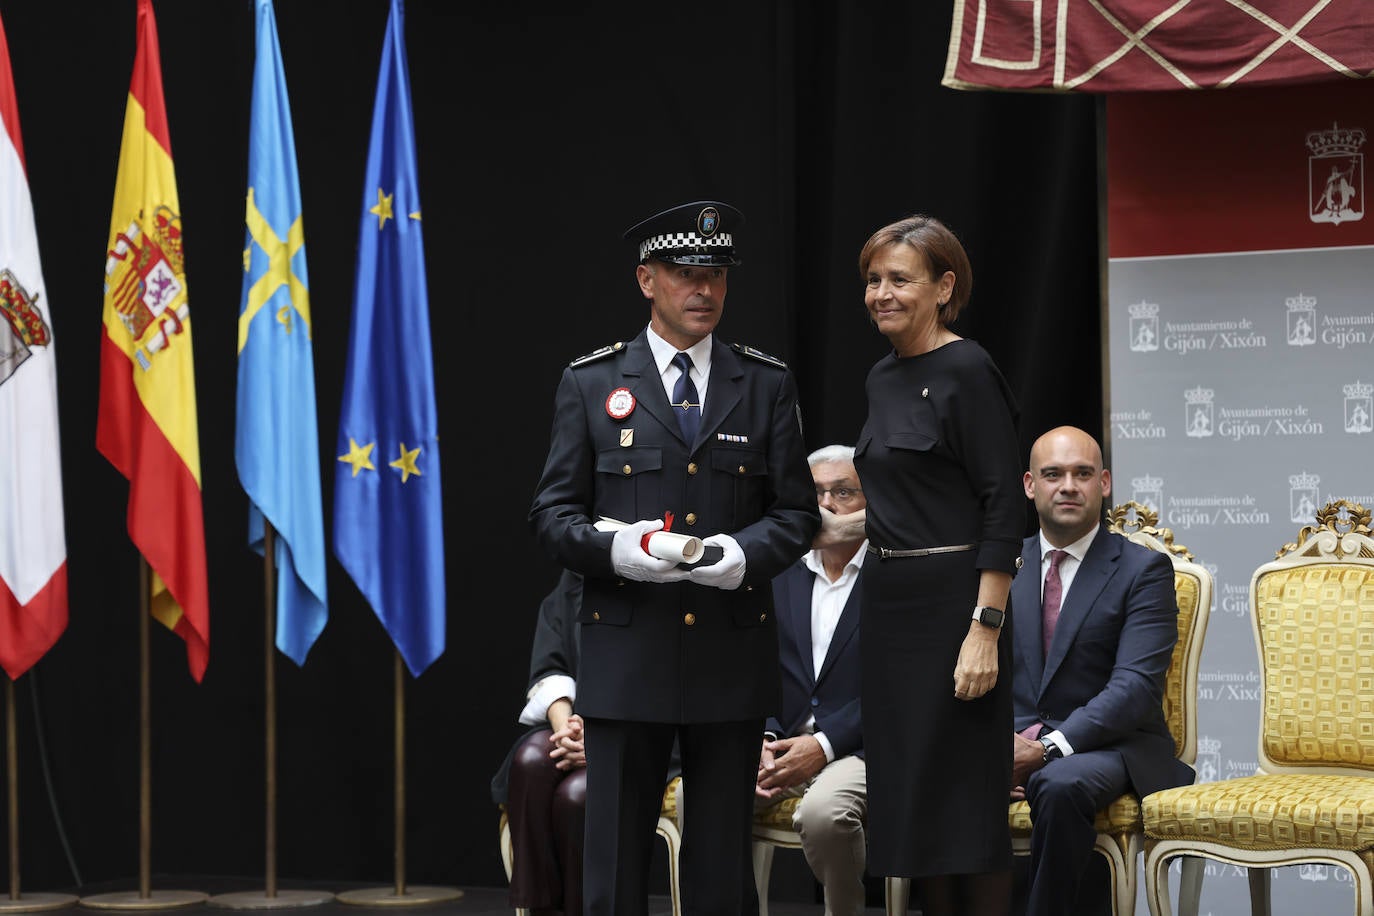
<point>33,546</point>
<point>147,422</point>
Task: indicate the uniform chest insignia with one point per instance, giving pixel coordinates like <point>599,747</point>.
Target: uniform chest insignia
<point>746,350</point>
<point>620,403</point>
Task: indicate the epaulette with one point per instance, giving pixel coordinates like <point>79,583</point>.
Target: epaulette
<point>597,354</point>
<point>746,350</point>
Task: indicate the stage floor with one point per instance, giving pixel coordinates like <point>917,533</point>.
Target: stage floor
<point>244,894</point>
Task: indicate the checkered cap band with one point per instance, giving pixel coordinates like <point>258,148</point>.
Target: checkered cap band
<point>673,241</point>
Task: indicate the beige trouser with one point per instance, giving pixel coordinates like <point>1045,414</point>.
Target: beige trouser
<point>830,819</point>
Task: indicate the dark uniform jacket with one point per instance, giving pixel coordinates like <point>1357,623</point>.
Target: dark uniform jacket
<point>554,650</point>
<point>677,652</point>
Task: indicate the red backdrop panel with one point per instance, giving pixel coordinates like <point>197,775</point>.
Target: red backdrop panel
<point>1238,170</point>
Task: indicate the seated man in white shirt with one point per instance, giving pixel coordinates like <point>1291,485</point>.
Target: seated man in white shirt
<point>815,747</point>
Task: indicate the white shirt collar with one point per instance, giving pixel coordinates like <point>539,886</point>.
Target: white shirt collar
<point>816,563</point>
<point>1078,549</point>
<point>664,353</point>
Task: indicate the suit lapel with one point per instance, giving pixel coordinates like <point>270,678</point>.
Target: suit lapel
<point>642,377</point>
<point>797,606</point>
<point>723,391</point>
<point>1027,610</point>
<point>1097,568</point>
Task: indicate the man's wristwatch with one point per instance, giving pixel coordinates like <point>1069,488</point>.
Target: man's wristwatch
<point>989,616</point>
<point>1052,750</point>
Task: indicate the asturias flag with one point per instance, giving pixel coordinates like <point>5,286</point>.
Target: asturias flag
<point>276,445</point>
<point>147,424</point>
<point>388,513</point>
<point>33,544</point>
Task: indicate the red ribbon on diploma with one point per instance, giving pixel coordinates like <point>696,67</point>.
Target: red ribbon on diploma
<point>667,526</point>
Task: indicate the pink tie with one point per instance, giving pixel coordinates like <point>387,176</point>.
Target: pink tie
<point>1054,594</point>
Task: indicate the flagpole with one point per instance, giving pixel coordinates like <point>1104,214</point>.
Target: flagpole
<point>399,894</point>
<point>17,903</point>
<point>270,898</point>
<point>145,898</point>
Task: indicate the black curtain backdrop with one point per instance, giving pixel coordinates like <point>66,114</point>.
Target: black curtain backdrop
<point>544,130</point>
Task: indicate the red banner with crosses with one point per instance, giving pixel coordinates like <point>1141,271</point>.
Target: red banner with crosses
<point>1152,45</point>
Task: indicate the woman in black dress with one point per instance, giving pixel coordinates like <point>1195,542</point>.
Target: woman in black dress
<point>940,464</point>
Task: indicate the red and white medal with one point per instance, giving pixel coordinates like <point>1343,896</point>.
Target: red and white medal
<point>620,404</point>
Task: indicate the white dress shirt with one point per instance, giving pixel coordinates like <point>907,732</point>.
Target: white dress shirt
<point>701,364</point>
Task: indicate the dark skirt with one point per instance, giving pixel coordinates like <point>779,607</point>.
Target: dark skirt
<point>939,769</point>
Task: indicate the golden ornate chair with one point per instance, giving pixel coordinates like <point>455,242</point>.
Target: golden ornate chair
<point>668,828</point>
<point>1119,826</point>
<point>1311,801</point>
<point>772,828</point>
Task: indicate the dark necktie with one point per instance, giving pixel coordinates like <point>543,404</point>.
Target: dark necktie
<point>685,400</point>
<point>1054,595</point>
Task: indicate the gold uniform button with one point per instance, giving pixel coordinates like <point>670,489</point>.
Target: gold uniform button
<point>689,619</point>
<point>741,469</point>
<point>691,467</point>
<point>762,618</point>
<point>626,469</point>
<point>691,518</point>
<point>596,615</point>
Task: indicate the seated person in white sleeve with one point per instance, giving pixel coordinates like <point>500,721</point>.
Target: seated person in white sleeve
<point>543,780</point>
<point>814,748</point>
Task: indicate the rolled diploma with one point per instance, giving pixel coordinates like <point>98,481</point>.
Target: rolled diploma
<point>665,545</point>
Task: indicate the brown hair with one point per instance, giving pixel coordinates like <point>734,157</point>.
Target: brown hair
<point>937,245</point>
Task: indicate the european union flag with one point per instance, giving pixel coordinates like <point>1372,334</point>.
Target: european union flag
<point>276,446</point>
<point>388,511</point>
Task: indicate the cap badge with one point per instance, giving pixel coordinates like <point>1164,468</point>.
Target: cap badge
<point>620,404</point>
<point>708,222</point>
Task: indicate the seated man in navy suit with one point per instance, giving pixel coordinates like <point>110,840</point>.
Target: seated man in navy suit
<point>1088,667</point>
<point>814,748</point>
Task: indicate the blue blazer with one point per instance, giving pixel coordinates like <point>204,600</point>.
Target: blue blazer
<point>834,696</point>
<point>1102,682</point>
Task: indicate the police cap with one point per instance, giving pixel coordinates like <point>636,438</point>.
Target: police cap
<point>701,233</point>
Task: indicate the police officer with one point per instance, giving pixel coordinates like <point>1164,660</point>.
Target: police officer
<point>676,428</point>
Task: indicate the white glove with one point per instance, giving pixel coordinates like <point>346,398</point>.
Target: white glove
<point>630,560</point>
<point>728,571</point>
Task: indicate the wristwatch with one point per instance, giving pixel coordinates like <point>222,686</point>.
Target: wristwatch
<point>1052,750</point>
<point>989,616</point>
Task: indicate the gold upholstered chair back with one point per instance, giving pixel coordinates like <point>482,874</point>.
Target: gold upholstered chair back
<point>1312,611</point>
<point>1313,615</point>
<point>1193,588</point>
